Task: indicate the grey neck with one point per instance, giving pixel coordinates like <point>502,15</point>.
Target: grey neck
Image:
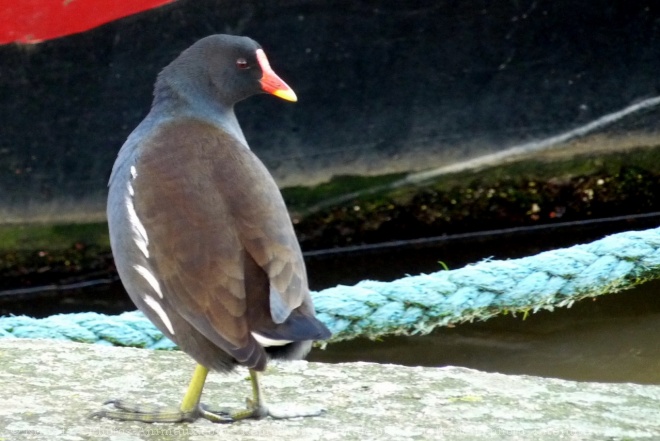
<point>200,103</point>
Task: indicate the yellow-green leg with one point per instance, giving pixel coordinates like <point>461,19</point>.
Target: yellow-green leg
<point>257,409</point>
<point>255,406</point>
<point>191,408</point>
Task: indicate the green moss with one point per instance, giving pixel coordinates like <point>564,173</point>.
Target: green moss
<point>52,237</point>
<point>523,193</point>
<point>40,254</point>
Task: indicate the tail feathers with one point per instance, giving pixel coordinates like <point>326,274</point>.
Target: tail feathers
<point>297,327</point>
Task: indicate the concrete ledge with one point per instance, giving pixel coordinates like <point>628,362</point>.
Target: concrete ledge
<point>48,387</point>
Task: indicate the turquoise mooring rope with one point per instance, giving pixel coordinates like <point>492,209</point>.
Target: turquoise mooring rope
<point>415,304</point>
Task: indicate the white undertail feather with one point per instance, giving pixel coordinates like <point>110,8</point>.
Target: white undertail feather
<point>265,341</point>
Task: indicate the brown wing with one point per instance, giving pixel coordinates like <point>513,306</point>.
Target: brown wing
<point>207,208</point>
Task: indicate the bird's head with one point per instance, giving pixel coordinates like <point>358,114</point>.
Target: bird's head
<point>231,68</point>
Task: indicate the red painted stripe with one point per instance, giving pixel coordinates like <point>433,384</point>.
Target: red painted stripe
<point>32,21</point>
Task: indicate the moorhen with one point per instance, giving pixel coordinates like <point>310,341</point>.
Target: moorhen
<point>200,234</point>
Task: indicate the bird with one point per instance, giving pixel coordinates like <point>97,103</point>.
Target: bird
<point>201,236</point>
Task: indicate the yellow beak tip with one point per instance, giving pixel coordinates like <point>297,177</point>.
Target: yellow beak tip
<point>288,95</point>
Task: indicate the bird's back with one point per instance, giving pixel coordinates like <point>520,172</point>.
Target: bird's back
<point>209,225</point>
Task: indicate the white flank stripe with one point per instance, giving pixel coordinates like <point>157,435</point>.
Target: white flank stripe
<point>144,272</point>
<point>139,232</point>
<point>265,341</point>
<point>133,172</point>
<point>153,304</point>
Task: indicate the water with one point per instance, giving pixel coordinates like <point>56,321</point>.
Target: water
<point>611,338</point>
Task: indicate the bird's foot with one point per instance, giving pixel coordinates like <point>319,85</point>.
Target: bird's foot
<point>124,411</point>
<point>259,411</point>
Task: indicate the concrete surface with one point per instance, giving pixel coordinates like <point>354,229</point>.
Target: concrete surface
<point>47,389</point>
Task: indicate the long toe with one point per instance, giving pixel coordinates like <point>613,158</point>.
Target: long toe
<point>228,415</point>
<point>282,411</point>
<point>216,415</point>
<point>124,411</point>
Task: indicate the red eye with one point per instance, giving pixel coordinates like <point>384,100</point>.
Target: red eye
<point>242,63</point>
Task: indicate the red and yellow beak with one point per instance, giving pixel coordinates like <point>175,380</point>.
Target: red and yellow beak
<point>271,83</point>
